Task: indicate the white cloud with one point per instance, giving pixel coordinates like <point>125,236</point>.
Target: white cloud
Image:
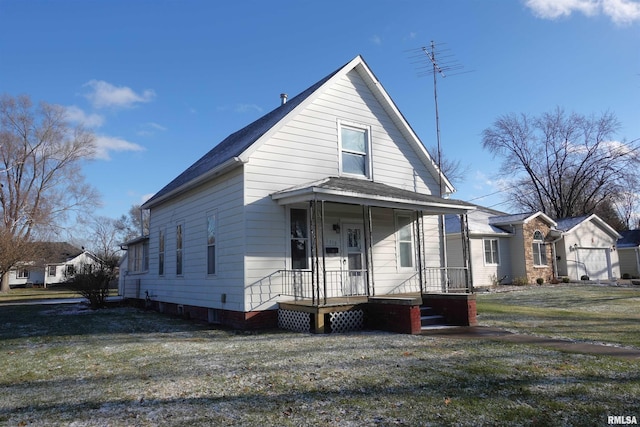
<point>151,128</point>
<point>376,40</point>
<point>106,144</point>
<point>619,11</point>
<point>77,115</point>
<point>105,95</point>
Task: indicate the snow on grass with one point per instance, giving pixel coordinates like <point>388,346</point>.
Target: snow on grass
<point>128,367</point>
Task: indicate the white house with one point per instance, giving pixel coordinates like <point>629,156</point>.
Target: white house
<point>628,247</point>
<point>504,248</point>
<point>330,195</point>
<point>54,263</point>
<point>587,248</point>
<point>522,248</point>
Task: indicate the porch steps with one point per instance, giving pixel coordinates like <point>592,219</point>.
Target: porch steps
<point>429,318</point>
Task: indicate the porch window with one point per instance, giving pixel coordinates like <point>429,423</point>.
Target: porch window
<point>22,273</point>
<point>491,256</point>
<point>355,150</point>
<point>161,253</point>
<point>179,250</point>
<point>211,244</point>
<point>404,224</point>
<point>539,249</point>
<point>51,271</point>
<point>299,239</point>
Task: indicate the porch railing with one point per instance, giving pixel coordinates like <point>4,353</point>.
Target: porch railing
<point>436,280</point>
<point>300,285</point>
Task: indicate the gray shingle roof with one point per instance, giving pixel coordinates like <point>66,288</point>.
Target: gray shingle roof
<point>567,224</point>
<point>630,239</point>
<point>236,143</point>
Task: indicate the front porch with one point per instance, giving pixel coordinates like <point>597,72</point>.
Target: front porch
<point>401,313</point>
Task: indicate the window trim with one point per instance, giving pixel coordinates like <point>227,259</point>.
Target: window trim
<point>496,258</point>
<point>368,164</point>
<point>410,216</point>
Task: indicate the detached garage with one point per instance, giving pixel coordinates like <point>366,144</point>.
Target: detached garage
<point>586,246</point>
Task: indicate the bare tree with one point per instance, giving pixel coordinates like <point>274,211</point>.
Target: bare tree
<point>40,180</point>
<point>454,170</point>
<point>562,164</point>
<point>135,223</point>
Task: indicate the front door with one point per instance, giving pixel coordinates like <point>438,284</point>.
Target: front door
<point>353,274</point>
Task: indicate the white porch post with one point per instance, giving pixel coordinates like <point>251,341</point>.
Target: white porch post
<point>466,249</point>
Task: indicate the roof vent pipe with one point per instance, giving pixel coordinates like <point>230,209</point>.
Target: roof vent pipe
<point>283,98</point>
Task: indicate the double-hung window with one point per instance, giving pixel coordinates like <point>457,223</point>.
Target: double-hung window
<point>179,254</point>
<point>491,255</point>
<point>355,150</point>
<point>539,249</point>
<point>161,253</point>
<point>404,225</point>
<point>211,243</point>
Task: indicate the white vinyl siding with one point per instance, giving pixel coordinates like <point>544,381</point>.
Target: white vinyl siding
<point>224,196</point>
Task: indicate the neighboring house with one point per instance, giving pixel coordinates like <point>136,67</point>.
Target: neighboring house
<point>521,248</point>
<point>504,248</point>
<point>330,195</point>
<point>628,247</point>
<point>587,248</point>
<point>54,263</point>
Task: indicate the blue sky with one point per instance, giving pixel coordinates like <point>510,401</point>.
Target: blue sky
<point>162,82</point>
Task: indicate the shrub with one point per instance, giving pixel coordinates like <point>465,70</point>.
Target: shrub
<point>93,284</point>
<point>539,280</point>
<point>626,276</point>
<point>520,281</point>
<point>565,280</point>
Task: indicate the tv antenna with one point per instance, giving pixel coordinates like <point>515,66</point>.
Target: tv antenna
<point>445,64</point>
<point>441,66</point>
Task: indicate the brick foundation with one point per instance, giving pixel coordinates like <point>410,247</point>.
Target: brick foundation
<point>457,309</point>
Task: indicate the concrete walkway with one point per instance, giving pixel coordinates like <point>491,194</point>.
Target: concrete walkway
<point>484,332</point>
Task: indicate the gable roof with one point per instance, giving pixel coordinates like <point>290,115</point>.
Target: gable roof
<point>568,225</point>
<point>521,218</point>
<point>629,239</point>
<point>235,149</point>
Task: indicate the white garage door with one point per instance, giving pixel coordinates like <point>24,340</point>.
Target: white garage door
<point>594,263</point>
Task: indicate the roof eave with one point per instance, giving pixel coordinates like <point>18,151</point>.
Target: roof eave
<point>213,173</point>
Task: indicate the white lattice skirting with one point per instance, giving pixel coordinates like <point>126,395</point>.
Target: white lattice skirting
<point>345,321</point>
<point>294,320</point>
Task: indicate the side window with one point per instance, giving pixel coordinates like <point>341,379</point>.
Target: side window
<point>211,243</point>
<point>491,256</point>
<point>161,253</point>
<point>404,233</point>
<point>299,239</point>
<point>355,150</point>
<point>539,249</point>
<point>179,251</point>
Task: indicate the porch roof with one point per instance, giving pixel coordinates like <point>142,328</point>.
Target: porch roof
<point>368,193</point>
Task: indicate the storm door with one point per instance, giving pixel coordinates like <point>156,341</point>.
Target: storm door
<point>353,274</point>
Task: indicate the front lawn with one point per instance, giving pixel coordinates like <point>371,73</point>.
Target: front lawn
<point>590,313</point>
<point>63,365</point>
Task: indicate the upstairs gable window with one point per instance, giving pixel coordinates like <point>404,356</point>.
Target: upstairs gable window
<point>355,150</point>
